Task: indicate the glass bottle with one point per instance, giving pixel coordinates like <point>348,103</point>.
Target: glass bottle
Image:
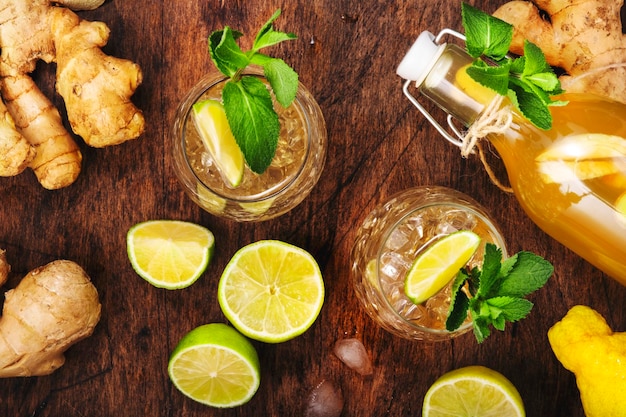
<point>570,180</point>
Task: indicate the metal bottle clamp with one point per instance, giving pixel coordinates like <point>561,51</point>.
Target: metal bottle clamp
<point>457,138</point>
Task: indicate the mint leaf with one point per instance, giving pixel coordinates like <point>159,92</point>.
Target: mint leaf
<point>497,291</point>
<point>489,278</point>
<point>267,36</point>
<point>459,303</point>
<point>509,308</point>
<point>496,78</point>
<point>225,53</point>
<point>253,120</point>
<point>485,34</point>
<point>247,101</point>
<point>531,105</point>
<point>283,79</point>
<point>528,81</point>
<point>529,273</point>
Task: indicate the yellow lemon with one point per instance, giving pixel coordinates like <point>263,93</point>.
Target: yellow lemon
<point>584,343</point>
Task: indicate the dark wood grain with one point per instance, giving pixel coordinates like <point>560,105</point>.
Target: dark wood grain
<point>346,54</point>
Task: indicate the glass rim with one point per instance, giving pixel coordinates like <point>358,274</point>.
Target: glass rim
<point>389,230</point>
<point>211,80</point>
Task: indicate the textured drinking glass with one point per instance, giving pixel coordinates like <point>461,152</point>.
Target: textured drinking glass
<point>296,168</point>
<point>390,239</point>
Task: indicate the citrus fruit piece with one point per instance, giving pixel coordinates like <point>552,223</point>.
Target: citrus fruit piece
<point>271,291</point>
<point>585,146</point>
<point>475,90</point>
<point>565,171</point>
<point>169,254</point>
<point>434,268</point>
<point>258,207</point>
<point>215,365</point>
<point>473,391</point>
<point>210,120</point>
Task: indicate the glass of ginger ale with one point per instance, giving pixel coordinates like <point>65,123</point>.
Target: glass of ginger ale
<point>392,236</point>
<point>295,168</point>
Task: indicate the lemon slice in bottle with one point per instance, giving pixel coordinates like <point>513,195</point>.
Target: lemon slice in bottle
<point>215,365</point>
<point>210,120</point>
<point>473,391</point>
<point>271,291</point>
<point>585,146</point>
<point>434,268</point>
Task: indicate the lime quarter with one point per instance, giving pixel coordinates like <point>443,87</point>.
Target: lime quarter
<point>215,365</point>
<point>434,268</point>
<point>169,254</point>
<point>271,291</point>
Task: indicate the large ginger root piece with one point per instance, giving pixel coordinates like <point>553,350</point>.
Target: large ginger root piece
<point>585,344</point>
<point>583,37</point>
<point>95,87</point>
<point>52,308</point>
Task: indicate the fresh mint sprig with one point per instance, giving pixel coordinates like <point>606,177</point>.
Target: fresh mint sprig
<point>247,101</point>
<point>497,292</point>
<point>529,81</point>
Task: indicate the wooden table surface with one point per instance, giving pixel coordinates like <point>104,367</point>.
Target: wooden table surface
<point>379,144</point>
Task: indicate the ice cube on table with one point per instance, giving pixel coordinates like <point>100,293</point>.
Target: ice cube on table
<point>326,400</point>
<point>352,353</point>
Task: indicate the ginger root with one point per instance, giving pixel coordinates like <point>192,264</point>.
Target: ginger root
<point>52,308</point>
<point>583,37</point>
<point>5,268</point>
<point>96,88</point>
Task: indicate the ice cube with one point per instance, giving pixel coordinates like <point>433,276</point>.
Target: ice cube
<point>326,400</point>
<point>353,354</point>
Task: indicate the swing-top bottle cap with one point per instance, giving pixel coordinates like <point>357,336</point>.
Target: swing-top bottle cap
<point>420,58</point>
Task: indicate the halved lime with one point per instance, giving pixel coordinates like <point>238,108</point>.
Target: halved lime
<point>210,120</point>
<point>169,254</point>
<point>271,291</point>
<point>434,268</point>
<point>473,391</point>
<point>215,365</point>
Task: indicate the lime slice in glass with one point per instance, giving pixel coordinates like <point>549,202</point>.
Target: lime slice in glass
<point>434,268</point>
<point>473,391</point>
<point>169,254</point>
<point>271,291</point>
<point>210,120</point>
<point>215,365</point>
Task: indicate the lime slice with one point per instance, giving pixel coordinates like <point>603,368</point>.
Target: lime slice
<point>210,120</point>
<point>215,365</point>
<point>473,391</point>
<point>169,254</point>
<point>434,268</point>
<point>271,291</point>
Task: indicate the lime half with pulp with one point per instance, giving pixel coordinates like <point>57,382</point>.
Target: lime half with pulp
<point>169,254</point>
<point>473,391</point>
<point>215,365</point>
<point>271,291</point>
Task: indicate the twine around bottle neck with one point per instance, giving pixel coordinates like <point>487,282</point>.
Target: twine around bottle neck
<point>496,119</point>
